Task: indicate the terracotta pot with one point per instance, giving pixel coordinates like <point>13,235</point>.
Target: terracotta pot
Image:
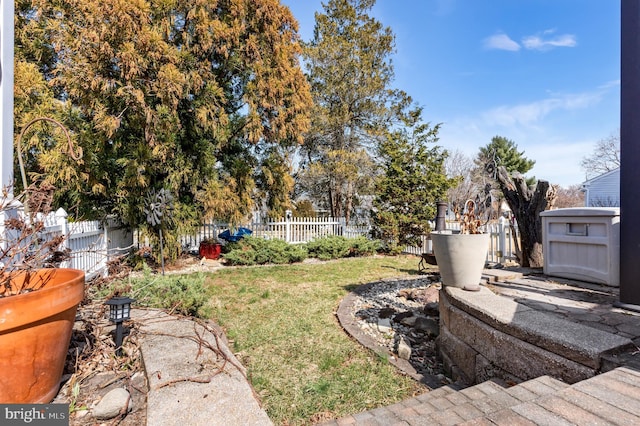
<point>460,258</point>
<point>35,331</point>
<point>210,250</point>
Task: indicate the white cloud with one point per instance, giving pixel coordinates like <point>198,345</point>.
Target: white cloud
<point>555,131</point>
<point>558,160</point>
<point>501,42</point>
<point>610,84</point>
<point>557,155</point>
<point>543,42</point>
<point>529,114</point>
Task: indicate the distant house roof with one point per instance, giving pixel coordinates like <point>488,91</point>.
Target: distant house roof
<point>602,176</point>
<point>603,190</point>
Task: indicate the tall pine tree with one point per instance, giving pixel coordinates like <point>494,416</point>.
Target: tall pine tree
<point>349,67</point>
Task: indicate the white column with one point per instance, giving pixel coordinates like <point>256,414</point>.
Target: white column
<point>61,219</point>
<point>6,92</point>
<point>287,218</point>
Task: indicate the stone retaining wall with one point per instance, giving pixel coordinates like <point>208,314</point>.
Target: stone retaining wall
<point>484,335</point>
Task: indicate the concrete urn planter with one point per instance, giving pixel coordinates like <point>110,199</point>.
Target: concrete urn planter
<point>460,258</point>
<point>35,331</point>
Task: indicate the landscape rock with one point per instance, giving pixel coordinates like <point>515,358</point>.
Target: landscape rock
<point>404,350</point>
<point>112,404</point>
<point>372,298</point>
<point>386,312</point>
<point>409,321</point>
<point>432,309</point>
<point>384,325</point>
<point>426,325</point>
<point>423,295</point>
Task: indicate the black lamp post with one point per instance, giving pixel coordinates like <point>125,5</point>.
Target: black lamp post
<point>119,311</point>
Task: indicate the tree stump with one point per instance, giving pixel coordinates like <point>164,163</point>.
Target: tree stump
<point>527,204</point>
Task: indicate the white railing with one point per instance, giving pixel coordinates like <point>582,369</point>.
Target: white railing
<point>91,243</point>
<point>94,243</point>
<point>501,244</point>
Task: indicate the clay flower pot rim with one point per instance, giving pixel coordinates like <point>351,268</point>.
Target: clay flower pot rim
<point>39,301</point>
<point>35,330</point>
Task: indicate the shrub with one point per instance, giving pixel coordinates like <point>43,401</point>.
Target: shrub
<point>329,247</point>
<point>362,246</point>
<point>257,251</point>
<point>183,294</point>
<point>335,247</point>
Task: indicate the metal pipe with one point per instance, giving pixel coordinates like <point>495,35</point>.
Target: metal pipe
<point>441,215</point>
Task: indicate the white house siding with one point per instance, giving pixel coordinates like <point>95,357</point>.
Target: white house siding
<point>603,190</point>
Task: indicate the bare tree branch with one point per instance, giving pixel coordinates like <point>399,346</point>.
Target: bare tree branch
<point>605,157</point>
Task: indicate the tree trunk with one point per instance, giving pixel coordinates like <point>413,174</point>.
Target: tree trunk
<point>333,200</point>
<point>336,203</point>
<point>348,202</point>
<point>526,205</point>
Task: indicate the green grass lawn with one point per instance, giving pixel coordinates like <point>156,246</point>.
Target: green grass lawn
<point>281,321</point>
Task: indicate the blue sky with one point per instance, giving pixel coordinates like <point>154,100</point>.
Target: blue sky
<point>543,73</point>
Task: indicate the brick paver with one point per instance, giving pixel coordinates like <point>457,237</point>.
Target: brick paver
<point>539,415</point>
<point>605,394</point>
<point>508,417</point>
<point>571,412</point>
<point>481,390</point>
<point>611,398</point>
<point>598,407</point>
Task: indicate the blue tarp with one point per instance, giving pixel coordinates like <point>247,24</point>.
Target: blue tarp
<point>232,238</point>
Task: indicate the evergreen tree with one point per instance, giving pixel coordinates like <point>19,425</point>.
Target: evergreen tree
<point>44,147</point>
<point>504,152</point>
<point>413,180</point>
<point>275,174</point>
<point>500,152</point>
<point>191,96</point>
<point>350,72</point>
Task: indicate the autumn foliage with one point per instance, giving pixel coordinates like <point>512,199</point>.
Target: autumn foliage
<point>191,96</point>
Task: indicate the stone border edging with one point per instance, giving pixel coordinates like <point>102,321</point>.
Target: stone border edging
<point>352,328</point>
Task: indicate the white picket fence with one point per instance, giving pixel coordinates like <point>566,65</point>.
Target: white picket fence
<point>92,243</point>
<point>298,230</point>
<point>294,230</point>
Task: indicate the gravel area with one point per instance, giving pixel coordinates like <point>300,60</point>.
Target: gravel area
<point>401,315</point>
